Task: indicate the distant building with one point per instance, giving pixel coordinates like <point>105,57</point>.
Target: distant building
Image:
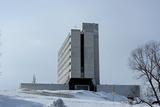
<point>78,58</point>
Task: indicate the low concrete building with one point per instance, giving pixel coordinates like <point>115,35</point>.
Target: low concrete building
<point>125,90</point>
<point>36,86</point>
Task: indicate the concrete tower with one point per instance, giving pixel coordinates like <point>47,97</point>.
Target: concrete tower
<point>78,58</point>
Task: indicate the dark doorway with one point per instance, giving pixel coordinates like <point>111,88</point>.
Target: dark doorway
<point>82,87</point>
<point>81,84</point>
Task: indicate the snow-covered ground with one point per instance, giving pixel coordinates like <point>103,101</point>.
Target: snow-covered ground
<point>44,98</point>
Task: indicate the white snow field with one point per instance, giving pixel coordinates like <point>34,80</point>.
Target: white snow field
<point>45,98</point>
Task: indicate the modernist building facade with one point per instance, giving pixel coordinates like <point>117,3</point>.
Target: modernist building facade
<point>78,58</point>
<point>78,65</point>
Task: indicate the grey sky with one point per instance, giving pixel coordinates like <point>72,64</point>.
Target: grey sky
<point>33,31</point>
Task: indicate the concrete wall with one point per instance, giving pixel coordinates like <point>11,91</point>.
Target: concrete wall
<point>88,55</point>
<point>91,51</point>
<point>44,86</point>
<point>96,55</point>
<point>75,54</point>
<point>126,90</point>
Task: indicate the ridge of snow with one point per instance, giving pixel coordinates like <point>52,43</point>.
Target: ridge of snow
<point>80,98</point>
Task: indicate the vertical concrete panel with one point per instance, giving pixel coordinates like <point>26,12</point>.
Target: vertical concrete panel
<point>75,54</point>
<point>96,57</point>
<point>91,51</point>
<point>88,55</point>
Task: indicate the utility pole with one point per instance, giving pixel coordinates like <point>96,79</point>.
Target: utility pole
<point>34,79</point>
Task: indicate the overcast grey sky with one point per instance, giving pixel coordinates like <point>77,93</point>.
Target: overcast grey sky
<point>33,31</point>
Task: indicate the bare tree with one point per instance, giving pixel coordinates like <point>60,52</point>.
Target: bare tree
<point>146,61</point>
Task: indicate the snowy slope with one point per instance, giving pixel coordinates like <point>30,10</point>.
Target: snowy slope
<point>6,101</point>
<point>44,98</point>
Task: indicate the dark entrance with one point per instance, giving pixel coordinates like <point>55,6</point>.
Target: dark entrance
<point>81,84</point>
<point>82,87</point>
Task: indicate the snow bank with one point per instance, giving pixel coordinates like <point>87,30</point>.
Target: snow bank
<point>20,98</point>
<point>6,101</point>
<point>82,94</point>
<point>111,97</point>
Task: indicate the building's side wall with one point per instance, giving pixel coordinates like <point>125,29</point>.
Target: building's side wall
<point>88,55</point>
<point>126,90</point>
<point>91,51</point>
<point>96,55</point>
<point>45,86</point>
<point>64,61</point>
<point>75,54</point>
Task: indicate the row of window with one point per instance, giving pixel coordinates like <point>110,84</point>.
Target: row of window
<point>65,44</point>
<point>64,69</point>
<point>62,65</point>
<point>61,55</point>
<point>68,54</point>
<point>64,76</point>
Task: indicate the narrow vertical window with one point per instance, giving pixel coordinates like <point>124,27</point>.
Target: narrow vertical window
<point>82,55</point>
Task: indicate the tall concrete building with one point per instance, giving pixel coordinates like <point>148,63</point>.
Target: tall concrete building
<point>78,58</point>
<point>78,65</point>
